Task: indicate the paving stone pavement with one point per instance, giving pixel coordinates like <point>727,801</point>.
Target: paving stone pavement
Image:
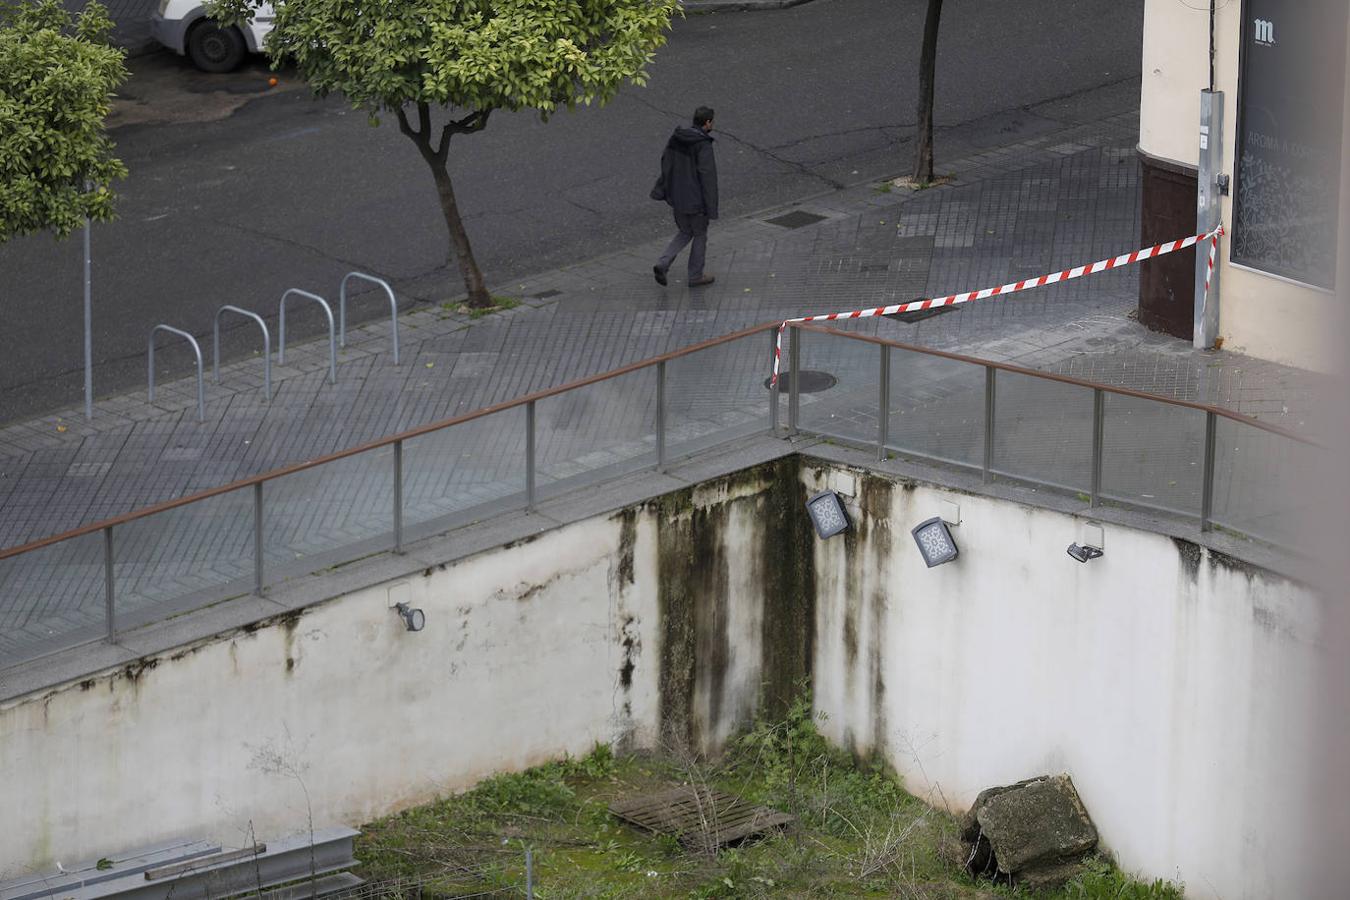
<point>1012,212</point>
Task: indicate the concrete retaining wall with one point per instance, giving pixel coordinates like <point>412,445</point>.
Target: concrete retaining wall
<point>1171,682</point>
<point>1175,685</point>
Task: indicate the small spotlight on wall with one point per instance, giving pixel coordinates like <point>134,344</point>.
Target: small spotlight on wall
<point>1085,552</point>
<point>413,619</point>
<point>935,542</point>
<point>827,514</point>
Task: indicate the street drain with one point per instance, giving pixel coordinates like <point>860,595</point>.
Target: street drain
<point>544,295</point>
<point>809,382</point>
<point>919,315</point>
<point>796,219</point>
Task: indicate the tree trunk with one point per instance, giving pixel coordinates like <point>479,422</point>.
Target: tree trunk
<point>923,150</point>
<point>459,240</point>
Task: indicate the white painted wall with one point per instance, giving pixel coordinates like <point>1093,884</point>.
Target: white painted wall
<point>1176,695</point>
<point>518,664</point>
<point>1177,698</point>
<point>1261,315</point>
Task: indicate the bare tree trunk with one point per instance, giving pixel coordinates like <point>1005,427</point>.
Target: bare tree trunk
<point>459,240</point>
<point>437,157</point>
<point>923,150</point>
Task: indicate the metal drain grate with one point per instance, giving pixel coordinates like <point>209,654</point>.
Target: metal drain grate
<point>700,818</point>
<point>919,315</point>
<point>796,219</point>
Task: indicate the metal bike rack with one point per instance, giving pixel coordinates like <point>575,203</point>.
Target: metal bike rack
<point>342,307</point>
<point>201,387</point>
<point>332,334</point>
<point>267,348</point>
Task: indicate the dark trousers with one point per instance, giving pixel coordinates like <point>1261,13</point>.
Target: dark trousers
<point>692,227</point>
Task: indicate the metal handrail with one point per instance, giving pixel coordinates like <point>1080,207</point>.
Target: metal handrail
<point>267,348</point>
<point>389,440</point>
<point>201,389</point>
<point>332,335</point>
<point>532,398</point>
<point>1066,379</point>
<point>342,308</point>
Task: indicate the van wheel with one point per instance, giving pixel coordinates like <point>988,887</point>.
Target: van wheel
<point>213,48</point>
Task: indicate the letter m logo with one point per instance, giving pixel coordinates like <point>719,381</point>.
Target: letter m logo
<point>1265,32</point>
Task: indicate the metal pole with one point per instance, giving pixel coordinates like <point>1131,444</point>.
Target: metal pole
<point>774,393</point>
<point>398,496</point>
<point>794,373</point>
<point>108,595</point>
<point>258,538</point>
<point>529,456</point>
<point>88,324</point>
<point>661,416</point>
<point>1205,327</point>
<point>1207,494</point>
<point>883,402</point>
<point>529,874</point>
<point>989,373</point>
<point>1098,422</point>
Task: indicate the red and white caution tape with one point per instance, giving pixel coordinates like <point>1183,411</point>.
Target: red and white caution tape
<point>1012,288</point>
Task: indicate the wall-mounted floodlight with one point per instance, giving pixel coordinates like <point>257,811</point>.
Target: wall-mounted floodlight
<point>413,619</point>
<point>935,542</point>
<point>827,514</point>
<point>1085,552</point>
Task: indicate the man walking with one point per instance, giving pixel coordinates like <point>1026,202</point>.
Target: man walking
<point>689,179</point>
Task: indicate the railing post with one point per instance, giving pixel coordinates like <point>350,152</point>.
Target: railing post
<point>1098,422</point>
<point>258,538</point>
<point>398,496</point>
<point>661,416</point>
<point>108,595</point>
<point>989,383</point>
<point>794,375</point>
<point>774,392</point>
<point>883,402</point>
<point>529,456</point>
<point>1207,492</point>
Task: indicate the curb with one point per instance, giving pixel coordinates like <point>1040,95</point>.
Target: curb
<point>707,6</point>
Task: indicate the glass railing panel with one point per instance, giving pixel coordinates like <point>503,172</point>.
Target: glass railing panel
<point>839,390</point>
<point>327,515</point>
<point>51,599</point>
<point>936,408</point>
<point>1043,431</point>
<point>1265,484</point>
<point>1152,454</point>
<point>184,558</point>
<point>464,472</point>
<point>718,394</point>
<point>595,432</point>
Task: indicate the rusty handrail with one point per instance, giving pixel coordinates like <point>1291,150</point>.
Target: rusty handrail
<point>1066,379</point>
<point>606,376</point>
<point>382,442</point>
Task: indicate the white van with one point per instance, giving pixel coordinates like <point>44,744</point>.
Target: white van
<point>183,27</point>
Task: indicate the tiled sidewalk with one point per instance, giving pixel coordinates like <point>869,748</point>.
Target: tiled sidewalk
<point>1048,203</point>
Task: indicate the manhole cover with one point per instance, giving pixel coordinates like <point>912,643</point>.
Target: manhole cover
<point>809,382</point>
<point>919,315</point>
<point>796,219</point>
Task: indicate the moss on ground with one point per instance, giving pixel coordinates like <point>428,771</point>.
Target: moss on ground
<point>859,833</point>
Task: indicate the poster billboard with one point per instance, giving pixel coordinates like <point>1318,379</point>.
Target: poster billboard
<point>1287,177</point>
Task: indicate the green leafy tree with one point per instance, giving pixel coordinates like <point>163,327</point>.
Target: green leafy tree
<point>57,77</point>
<point>460,60</point>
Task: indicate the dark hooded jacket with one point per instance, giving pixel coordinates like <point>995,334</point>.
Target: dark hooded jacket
<point>689,172</point>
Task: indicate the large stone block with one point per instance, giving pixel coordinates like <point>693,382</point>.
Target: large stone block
<point>1034,832</point>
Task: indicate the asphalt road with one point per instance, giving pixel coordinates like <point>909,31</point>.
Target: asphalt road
<point>237,193</point>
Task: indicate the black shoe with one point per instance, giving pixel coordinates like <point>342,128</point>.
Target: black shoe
<point>702,280</point>
<point>660,274</point>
